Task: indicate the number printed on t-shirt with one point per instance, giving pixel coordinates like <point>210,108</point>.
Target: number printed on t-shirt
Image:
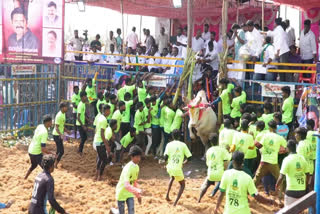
<point>175,159</point>
<point>300,180</point>
<point>234,202</point>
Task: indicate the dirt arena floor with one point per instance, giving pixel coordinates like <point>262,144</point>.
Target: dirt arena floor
<point>78,193</point>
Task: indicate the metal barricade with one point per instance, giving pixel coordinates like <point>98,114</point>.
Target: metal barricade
<point>27,95</point>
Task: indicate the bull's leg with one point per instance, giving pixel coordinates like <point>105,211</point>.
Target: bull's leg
<point>204,140</point>
<point>192,135</point>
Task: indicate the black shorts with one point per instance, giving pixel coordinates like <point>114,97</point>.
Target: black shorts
<point>35,159</point>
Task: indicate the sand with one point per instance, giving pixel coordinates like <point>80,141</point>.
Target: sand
<point>78,193</point>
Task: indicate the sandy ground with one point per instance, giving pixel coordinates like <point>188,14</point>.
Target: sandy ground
<point>78,193</point>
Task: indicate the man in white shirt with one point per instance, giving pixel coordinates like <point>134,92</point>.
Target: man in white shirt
<point>93,57</point>
<point>282,50</point>
<point>291,34</point>
<point>181,43</point>
<point>154,52</point>
<point>112,59</point>
<point>212,59</point>
<point>197,42</point>
<point>77,45</point>
<point>165,53</point>
<point>110,40</point>
<point>308,47</point>
<point>130,59</point>
<point>162,40</point>
<point>132,39</point>
<point>141,60</point>
<point>149,41</point>
<point>213,39</point>
<point>206,34</point>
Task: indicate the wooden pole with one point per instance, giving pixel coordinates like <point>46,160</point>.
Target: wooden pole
<point>140,37</point>
<point>190,20</point>
<point>123,44</point>
<point>262,19</point>
<point>224,23</point>
<point>237,12</point>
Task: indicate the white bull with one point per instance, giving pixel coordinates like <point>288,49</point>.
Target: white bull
<point>202,118</point>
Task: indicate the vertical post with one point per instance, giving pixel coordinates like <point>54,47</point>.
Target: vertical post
<point>317,176</point>
<point>123,46</point>
<point>262,19</point>
<point>140,29</point>
<point>189,14</point>
<point>237,19</point>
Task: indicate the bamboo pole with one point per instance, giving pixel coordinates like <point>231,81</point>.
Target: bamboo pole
<point>140,29</point>
<point>123,44</point>
<point>189,14</point>
<point>237,12</point>
<point>262,19</point>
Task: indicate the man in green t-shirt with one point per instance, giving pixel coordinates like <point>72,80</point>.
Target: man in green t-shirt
<point>294,168</point>
<point>117,115</point>
<point>101,142</point>
<point>127,186</point>
<point>215,158</point>
<point>240,98</point>
<point>147,126</point>
<point>169,114</point>
<point>226,134</point>
<point>37,146</point>
<point>268,115</point>
<point>126,141</point>
<point>139,121</point>
<point>270,146</point>
<point>178,117</point>
<point>101,100</point>
<point>81,120</point>
<point>91,92</point>
<point>58,131</point>
<point>128,87</point>
<point>75,100</point>
<point>304,147</point>
<point>237,185</point>
<point>225,96</point>
<point>287,106</point>
<point>126,115</point>
<point>113,102</point>
<point>312,139</point>
<point>174,155</point>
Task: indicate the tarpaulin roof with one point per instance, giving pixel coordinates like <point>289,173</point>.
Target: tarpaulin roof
<point>301,4</point>
<point>165,8</point>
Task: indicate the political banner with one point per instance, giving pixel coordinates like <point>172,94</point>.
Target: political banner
<point>158,81</point>
<point>24,69</point>
<point>31,31</point>
<point>274,90</point>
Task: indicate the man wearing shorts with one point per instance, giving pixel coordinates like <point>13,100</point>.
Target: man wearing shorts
<point>37,146</point>
<point>174,155</point>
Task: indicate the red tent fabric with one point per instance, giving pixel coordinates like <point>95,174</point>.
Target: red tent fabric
<point>301,4</point>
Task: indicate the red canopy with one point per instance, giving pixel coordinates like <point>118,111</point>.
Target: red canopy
<point>301,4</point>
<point>165,8</point>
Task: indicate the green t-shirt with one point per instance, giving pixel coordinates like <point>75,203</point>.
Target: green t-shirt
<point>91,92</point>
<point>176,152</point>
<point>271,143</point>
<point>39,138</point>
<point>266,118</point>
<point>243,141</point>
<point>108,133</point>
<point>98,104</point>
<point>96,119</point>
<point>129,174</point>
<point>118,117</point>
<point>313,143</point>
<point>226,137</point>
<point>225,99</point>
<point>126,113</point>
<point>129,89</point>
<point>59,120</point>
<point>295,168</point>
<point>237,185</point>
<point>120,94</point>
<point>162,115</point>
<point>287,110</point>
<point>126,140</point>
<point>112,107</point>
<point>154,113</point>
<point>142,93</point>
<point>138,120</point>
<point>82,111</point>
<point>236,102</point>
<point>253,130</point>
<point>168,119</point>
<point>177,121</point>
<point>260,135</point>
<point>146,113</point>
<point>102,123</point>
<point>76,100</point>
<point>215,158</point>
<point>304,149</point>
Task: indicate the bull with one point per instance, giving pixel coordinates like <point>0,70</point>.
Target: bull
<point>202,119</point>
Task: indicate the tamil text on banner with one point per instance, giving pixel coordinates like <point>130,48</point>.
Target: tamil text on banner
<point>274,90</point>
<point>31,31</point>
<point>158,81</point>
<point>23,69</point>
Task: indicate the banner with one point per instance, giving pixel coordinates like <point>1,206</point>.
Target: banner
<point>31,31</point>
<point>24,69</point>
<point>274,90</point>
<point>158,81</point>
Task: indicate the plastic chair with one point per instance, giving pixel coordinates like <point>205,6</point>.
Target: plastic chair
<point>311,79</point>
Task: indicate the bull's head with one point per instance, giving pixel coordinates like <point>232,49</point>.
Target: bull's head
<point>194,111</point>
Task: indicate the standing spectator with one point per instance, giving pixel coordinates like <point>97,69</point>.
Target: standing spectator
<point>294,57</point>
<point>181,41</point>
<point>132,40</point>
<point>149,41</point>
<point>291,34</point>
<point>162,40</point>
<point>119,41</point>
<point>206,34</point>
<point>213,39</point>
<point>267,56</point>
<point>197,42</point>
<point>239,38</point>
<point>287,106</point>
<point>308,47</point>
<point>96,43</point>
<point>77,45</point>
<point>281,48</point>
<point>110,40</point>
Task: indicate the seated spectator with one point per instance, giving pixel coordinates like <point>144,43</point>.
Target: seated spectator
<point>154,52</point>
<point>165,53</point>
<point>94,57</point>
<point>294,57</point>
<point>112,58</point>
<point>211,58</point>
<point>141,60</point>
<point>69,56</point>
<point>130,59</point>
